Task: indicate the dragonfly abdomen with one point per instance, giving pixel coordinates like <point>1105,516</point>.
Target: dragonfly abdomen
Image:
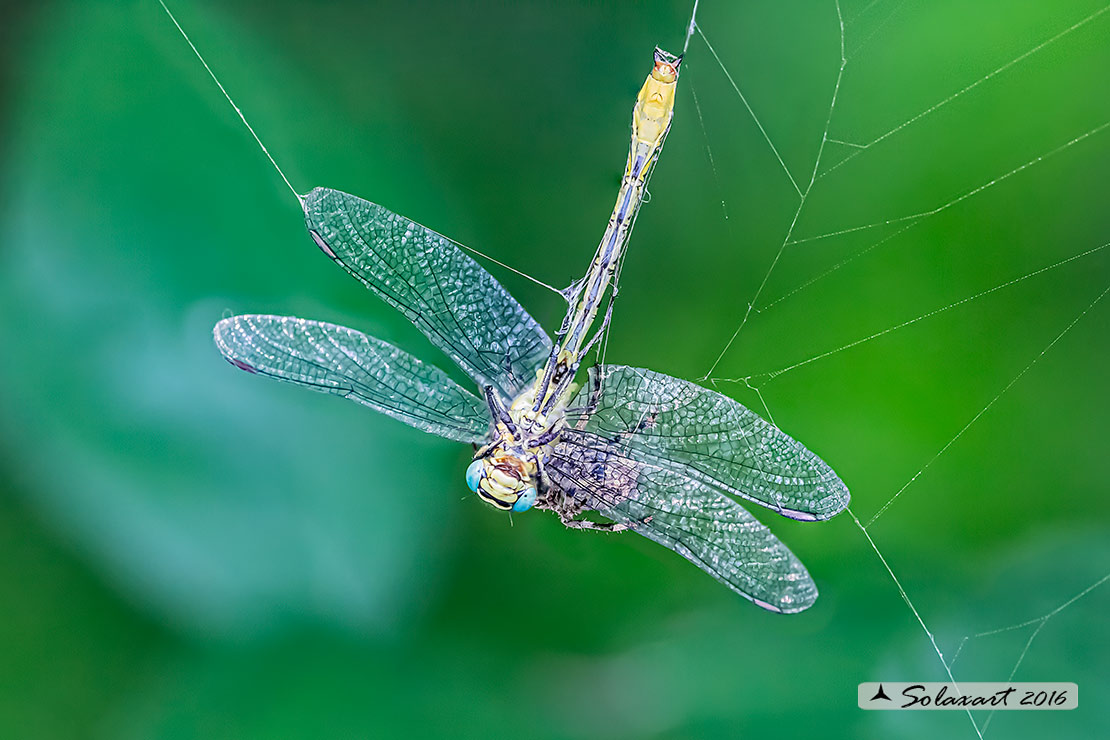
<point>533,423</point>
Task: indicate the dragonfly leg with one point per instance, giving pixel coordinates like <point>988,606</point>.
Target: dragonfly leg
<point>480,452</point>
<point>541,477</point>
<point>550,435</point>
<point>498,410</point>
<point>595,395</point>
<point>596,378</point>
<point>571,523</point>
<point>545,380</point>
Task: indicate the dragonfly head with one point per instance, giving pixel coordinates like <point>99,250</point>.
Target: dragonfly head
<point>504,481</point>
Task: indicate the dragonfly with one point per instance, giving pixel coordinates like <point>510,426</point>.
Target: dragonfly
<point>622,448</point>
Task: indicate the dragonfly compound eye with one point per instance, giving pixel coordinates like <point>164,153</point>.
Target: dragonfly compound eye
<point>474,473</point>
<point>527,498</point>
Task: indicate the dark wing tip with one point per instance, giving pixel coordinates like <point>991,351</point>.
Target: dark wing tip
<point>323,245</point>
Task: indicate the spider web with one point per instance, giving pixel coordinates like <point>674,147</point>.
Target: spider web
<point>805,185</point>
<point>837,149</point>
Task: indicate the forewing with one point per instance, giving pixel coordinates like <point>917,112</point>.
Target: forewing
<point>678,425</point>
<point>703,525</point>
<point>335,359</point>
<point>447,295</point>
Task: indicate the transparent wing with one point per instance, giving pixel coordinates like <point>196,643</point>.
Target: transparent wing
<point>448,296</point>
<point>680,426</point>
<point>703,525</point>
<point>335,359</point>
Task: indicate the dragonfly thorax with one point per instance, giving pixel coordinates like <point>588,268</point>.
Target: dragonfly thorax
<point>506,472</point>
<point>529,420</point>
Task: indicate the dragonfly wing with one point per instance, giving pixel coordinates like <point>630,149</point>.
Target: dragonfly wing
<point>459,306</point>
<point>335,359</point>
<point>703,525</point>
<point>709,437</point>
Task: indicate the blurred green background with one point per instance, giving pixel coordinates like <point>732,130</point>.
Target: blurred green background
<point>188,551</point>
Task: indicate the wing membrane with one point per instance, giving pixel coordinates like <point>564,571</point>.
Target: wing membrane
<point>342,361</point>
<point>703,525</point>
<point>680,426</point>
<point>459,306</point>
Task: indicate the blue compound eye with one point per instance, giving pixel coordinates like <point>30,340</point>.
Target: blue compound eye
<point>527,498</point>
<point>474,473</point>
